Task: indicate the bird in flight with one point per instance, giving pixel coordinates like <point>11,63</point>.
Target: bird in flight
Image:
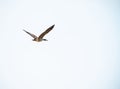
<point>40,38</point>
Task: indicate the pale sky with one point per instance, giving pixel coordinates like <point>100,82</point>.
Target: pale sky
<point>82,51</point>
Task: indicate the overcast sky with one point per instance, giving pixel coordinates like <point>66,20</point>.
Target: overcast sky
<point>82,51</point>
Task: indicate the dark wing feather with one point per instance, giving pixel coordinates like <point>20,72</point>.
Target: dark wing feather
<point>45,32</point>
<point>34,36</point>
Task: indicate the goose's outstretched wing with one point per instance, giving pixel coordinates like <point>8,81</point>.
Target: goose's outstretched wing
<point>45,32</point>
<point>34,36</point>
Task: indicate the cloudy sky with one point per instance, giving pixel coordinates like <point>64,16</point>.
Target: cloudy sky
<point>82,51</point>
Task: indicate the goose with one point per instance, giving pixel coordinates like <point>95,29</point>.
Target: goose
<point>40,38</point>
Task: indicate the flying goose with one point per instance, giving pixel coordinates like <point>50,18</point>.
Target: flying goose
<point>40,38</point>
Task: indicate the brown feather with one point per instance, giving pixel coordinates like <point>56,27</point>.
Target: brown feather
<point>34,36</point>
<point>45,32</point>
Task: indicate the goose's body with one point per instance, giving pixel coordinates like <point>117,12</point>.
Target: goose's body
<point>40,38</point>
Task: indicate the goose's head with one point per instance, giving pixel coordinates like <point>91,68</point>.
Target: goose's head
<point>44,40</point>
